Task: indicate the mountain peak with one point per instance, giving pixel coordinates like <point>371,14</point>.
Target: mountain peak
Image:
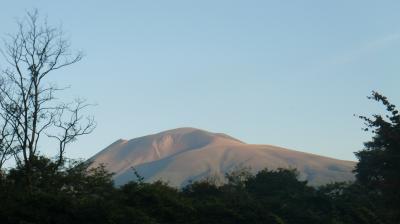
<point>184,154</point>
<point>196,134</point>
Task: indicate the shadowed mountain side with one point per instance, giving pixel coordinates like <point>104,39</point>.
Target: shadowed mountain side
<point>187,154</point>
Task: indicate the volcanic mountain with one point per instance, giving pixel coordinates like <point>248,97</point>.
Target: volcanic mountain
<point>187,154</point>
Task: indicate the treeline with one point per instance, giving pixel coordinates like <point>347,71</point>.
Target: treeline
<point>75,194</point>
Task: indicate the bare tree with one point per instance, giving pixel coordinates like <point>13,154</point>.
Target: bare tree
<point>7,137</point>
<point>28,106</point>
<point>75,126</point>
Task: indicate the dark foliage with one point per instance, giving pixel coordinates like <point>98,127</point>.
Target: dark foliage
<point>76,194</point>
<point>379,162</point>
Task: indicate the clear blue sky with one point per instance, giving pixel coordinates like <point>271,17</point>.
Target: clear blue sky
<point>288,73</point>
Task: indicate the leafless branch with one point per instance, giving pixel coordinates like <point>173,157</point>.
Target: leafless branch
<point>71,124</point>
<point>28,105</point>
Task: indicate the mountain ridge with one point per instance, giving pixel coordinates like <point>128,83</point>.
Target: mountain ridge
<point>186,154</point>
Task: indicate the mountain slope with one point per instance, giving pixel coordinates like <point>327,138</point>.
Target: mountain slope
<point>187,154</point>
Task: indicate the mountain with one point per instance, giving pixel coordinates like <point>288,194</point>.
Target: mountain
<point>188,154</point>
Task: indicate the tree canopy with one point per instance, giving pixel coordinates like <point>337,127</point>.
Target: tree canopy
<point>379,162</point>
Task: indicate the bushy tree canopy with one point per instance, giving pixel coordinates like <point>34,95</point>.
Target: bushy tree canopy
<point>379,162</point>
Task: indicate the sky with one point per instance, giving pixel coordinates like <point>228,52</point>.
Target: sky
<point>286,73</point>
